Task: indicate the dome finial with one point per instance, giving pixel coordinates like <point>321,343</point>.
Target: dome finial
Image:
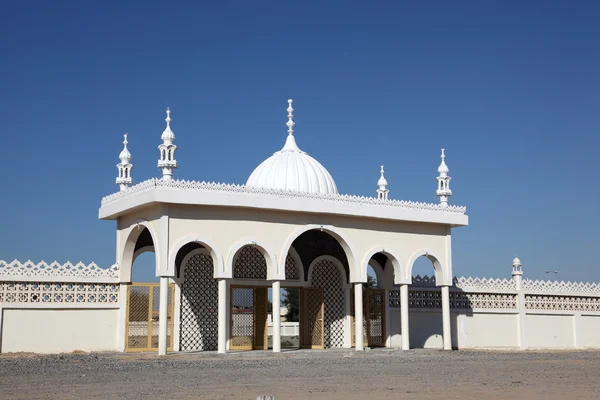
<point>290,124</point>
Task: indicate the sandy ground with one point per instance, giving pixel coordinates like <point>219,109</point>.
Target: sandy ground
<point>335,374</point>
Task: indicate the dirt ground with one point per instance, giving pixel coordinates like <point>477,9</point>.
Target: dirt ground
<point>334,374</point>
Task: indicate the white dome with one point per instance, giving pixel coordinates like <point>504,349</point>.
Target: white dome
<point>292,169</point>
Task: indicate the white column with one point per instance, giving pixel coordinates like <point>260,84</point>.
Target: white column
<point>222,325</point>
<point>348,319</point>
<point>386,308</point>
<point>404,317</point>
<point>276,299</point>
<point>358,317</point>
<point>446,318</point>
<point>163,315</point>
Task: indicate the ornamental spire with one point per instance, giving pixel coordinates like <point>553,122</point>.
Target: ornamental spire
<point>124,167</point>
<point>382,192</point>
<point>443,191</point>
<point>290,124</point>
<point>167,149</point>
<point>290,142</point>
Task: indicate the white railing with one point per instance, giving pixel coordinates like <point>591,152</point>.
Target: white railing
<point>287,328</point>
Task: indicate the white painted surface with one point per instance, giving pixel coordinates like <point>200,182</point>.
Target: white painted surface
<point>480,330</point>
<point>549,331</point>
<point>425,330</point>
<point>56,331</point>
<point>590,331</point>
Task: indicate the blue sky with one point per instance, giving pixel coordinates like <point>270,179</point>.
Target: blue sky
<point>511,90</point>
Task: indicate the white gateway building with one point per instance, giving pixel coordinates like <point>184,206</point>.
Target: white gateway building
<point>222,248</point>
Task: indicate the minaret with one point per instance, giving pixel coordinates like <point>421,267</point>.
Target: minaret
<point>124,167</point>
<point>382,192</point>
<point>443,191</point>
<point>167,149</point>
<point>517,273</point>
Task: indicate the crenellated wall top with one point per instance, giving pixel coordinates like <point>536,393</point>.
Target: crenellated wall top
<point>55,271</point>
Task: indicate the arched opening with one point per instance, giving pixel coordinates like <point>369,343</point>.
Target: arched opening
<point>250,300</point>
<point>197,317</point>
<point>425,304</point>
<point>143,293</point>
<point>324,300</point>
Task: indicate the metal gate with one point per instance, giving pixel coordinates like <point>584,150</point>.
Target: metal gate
<point>249,318</point>
<point>143,303</point>
<point>374,334</point>
<point>312,314</point>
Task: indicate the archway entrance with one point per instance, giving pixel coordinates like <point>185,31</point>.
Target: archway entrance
<point>249,311</point>
<point>143,297</point>
<point>374,334</point>
<point>312,318</point>
<point>143,301</point>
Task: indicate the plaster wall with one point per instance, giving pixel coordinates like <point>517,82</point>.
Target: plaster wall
<point>589,326</point>
<point>549,331</point>
<point>56,331</point>
<point>481,330</point>
<point>227,229</point>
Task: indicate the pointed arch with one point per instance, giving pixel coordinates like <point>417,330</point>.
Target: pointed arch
<point>399,269</point>
<point>218,267</point>
<point>129,252</point>
<point>355,273</point>
<point>267,253</point>
<point>441,272</point>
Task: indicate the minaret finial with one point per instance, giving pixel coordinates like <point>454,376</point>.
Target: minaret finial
<point>443,191</point>
<point>382,192</point>
<point>167,149</point>
<point>290,124</point>
<point>124,167</point>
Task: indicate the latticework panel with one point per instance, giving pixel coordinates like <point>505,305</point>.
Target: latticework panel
<point>249,264</point>
<point>376,322</point>
<point>199,306</point>
<point>139,324</point>
<point>242,318</point>
<point>57,292</point>
<point>562,303</point>
<point>493,301</point>
<point>394,299</point>
<point>327,275</point>
<point>291,269</point>
<point>424,299</point>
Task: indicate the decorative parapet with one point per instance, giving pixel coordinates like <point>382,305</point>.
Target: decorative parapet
<point>56,272</point>
<point>555,287</point>
<point>484,284</point>
<point>233,188</point>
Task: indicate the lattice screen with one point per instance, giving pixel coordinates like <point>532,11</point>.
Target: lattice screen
<point>58,292</point>
<point>291,269</point>
<point>376,317</point>
<point>199,306</point>
<point>249,264</point>
<point>327,275</point>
